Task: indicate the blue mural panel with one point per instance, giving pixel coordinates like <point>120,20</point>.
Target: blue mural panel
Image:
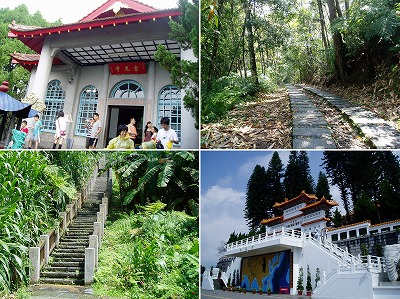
<point>266,271</point>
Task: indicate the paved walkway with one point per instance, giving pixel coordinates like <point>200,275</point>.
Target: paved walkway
<point>206,294</point>
<point>379,131</point>
<point>44,291</point>
<point>310,129</point>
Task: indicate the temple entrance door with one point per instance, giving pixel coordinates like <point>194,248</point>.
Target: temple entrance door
<point>118,115</point>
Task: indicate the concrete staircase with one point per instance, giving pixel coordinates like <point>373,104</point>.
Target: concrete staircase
<point>67,262</point>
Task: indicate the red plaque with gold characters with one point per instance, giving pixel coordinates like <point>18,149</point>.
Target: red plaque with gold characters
<point>124,68</point>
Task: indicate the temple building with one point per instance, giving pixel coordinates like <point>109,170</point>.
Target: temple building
<point>304,212</point>
<point>105,63</point>
<point>296,247</point>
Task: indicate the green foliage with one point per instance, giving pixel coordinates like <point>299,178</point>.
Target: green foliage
<point>317,277</point>
<point>379,249</point>
<point>184,73</point>
<point>228,92</point>
<point>300,286</point>
<point>309,285</point>
<point>323,188</point>
<point>146,177</point>
<point>150,255</point>
<point>297,175</point>
<point>255,197</point>
<point>17,76</point>
<point>337,218</point>
<point>32,193</point>
<point>364,249</point>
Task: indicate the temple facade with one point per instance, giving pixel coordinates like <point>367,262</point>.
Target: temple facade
<point>305,213</point>
<point>105,63</point>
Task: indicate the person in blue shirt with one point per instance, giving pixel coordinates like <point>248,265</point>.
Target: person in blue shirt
<point>36,132</point>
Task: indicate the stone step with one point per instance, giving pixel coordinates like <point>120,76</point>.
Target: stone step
<point>72,246</point>
<point>64,281</point>
<point>79,233</point>
<point>70,250</point>
<point>62,258</point>
<point>57,274</point>
<point>63,269</point>
<point>68,264</point>
<point>68,255</point>
<point>74,242</point>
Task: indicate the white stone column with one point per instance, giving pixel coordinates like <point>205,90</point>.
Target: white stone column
<point>45,239</point>
<point>89,265</point>
<point>151,106</point>
<point>34,271</point>
<point>102,105</point>
<point>190,136</point>
<point>43,69</point>
<point>94,243</point>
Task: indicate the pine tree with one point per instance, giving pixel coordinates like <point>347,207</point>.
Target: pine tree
<point>323,188</point>
<point>255,209</point>
<point>297,175</point>
<point>337,218</point>
<point>275,192</point>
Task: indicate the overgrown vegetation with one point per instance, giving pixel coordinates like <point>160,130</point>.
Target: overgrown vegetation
<point>150,254</point>
<point>151,247</point>
<point>33,191</point>
<point>320,41</point>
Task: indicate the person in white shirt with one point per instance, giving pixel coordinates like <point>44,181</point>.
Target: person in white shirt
<point>61,129</point>
<point>166,135</point>
<point>96,129</point>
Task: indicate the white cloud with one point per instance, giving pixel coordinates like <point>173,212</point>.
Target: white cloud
<point>221,214</point>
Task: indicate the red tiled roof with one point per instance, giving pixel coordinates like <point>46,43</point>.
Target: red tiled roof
<point>133,6</point>
<point>384,223</point>
<point>33,37</point>
<point>323,201</point>
<point>271,220</point>
<point>316,220</point>
<point>303,194</point>
<point>27,61</point>
<point>349,225</point>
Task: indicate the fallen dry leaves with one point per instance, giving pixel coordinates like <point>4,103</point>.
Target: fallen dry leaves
<point>263,123</point>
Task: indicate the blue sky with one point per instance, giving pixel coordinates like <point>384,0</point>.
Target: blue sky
<point>224,176</point>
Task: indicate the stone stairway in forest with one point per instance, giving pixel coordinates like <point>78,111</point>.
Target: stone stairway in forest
<point>67,261</point>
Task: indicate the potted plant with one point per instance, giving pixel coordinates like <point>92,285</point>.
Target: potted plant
<point>308,286</point>
<point>300,286</point>
<point>260,291</point>
<point>244,290</point>
<point>269,291</point>
<point>240,290</point>
<point>254,291</point>
<point>317,277</point>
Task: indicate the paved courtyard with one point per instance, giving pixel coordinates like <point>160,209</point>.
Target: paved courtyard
<point>57,291</point>
<point>206,294</point>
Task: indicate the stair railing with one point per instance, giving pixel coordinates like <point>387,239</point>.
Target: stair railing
<point>95,241</point>
<point>39,255</point>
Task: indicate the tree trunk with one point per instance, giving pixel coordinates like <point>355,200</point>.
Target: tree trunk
<point>243,50</point>
<point>250,41</point>
<point>337,43</point>
<point>322,22</point>
<point>346,6</point>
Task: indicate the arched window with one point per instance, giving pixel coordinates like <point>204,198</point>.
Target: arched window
<point>87,106</point>
<point>127,90</point>
<point>54,101</point>
<point>169,105</point>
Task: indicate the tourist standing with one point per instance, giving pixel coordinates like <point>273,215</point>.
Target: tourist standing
<point>36,132</point>
<point>166,135</point>
<point>132,130</point>
<point>123,140</point>
<point>148,133</point>
<point>88,126</point>
<point>61,129</point>
<point>95,131</point>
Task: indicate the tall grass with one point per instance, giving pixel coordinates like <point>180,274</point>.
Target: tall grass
<point>151,254</point>
<point>32,193</point>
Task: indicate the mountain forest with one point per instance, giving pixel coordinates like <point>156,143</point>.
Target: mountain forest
<point>251,48</point>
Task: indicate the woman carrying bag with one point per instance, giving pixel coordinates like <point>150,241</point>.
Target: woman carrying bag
<point>61,129</point>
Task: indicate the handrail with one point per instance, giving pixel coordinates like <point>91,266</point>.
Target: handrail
<point>261,238</point>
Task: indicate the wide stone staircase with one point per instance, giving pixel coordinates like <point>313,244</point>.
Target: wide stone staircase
<point>67,261</point>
